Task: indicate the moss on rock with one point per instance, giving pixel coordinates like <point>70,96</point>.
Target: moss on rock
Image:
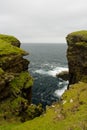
<point>10,39</point>
<point>79,36</point>
<point>21,85</point>
<point>15,81</point>
<point>77,56</point>
<point>7,49</point>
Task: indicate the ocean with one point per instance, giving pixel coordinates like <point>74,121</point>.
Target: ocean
<point>47,60</point>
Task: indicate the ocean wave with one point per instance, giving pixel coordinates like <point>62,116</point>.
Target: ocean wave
<point>52,72</point>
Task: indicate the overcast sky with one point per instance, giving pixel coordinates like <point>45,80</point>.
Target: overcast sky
<point>42,21</point>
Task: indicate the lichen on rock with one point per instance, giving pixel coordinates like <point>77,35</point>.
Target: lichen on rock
<point>77,56</point>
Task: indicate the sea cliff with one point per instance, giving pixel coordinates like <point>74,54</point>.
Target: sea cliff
<point>77,56</point>
<point>15,82</point>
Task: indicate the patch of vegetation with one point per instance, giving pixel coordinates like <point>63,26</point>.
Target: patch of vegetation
<point>10,39</point>
<point>7,49</point>
<point>81,44</point>
<point>23,80</point>
<point>82,33</point>
<point>79,36</point>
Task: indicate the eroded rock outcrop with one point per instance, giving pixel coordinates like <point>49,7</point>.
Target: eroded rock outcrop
<point>63,75</point>
<point>15,81</point>
<point>77,56</point>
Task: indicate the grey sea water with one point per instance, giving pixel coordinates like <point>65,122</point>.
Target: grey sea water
<point>47,60</point>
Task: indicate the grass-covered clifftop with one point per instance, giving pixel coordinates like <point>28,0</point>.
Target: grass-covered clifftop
<point>11,39</point>
<point>8,49</point>
<point>75,37</point>
<point>77,56</point>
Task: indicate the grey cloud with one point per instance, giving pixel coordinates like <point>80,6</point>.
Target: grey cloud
<point>42,20</point>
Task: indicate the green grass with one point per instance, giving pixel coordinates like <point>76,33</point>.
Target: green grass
<point>79,37</point>
<point>82,34</point>
<point>7,49</point>
<point>70,114</point>
<point>8,38</point>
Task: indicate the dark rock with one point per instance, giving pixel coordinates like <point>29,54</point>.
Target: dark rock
<point>63,75</point>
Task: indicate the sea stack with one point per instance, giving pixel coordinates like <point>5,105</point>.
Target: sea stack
<point>77,56</point>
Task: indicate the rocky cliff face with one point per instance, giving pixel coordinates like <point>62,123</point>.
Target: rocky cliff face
<point>15,81</point>
<point>77,56</point>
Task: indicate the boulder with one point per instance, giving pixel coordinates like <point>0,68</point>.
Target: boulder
<point>63,75</point>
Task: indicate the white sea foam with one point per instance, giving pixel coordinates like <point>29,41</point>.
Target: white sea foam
<point>52,72</point>
<point>59,92</point>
